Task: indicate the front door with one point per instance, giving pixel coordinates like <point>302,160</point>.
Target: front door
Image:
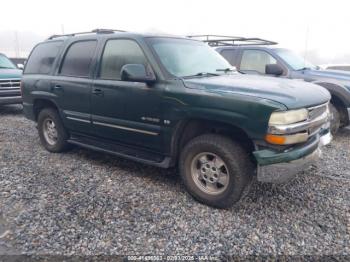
<point>126,112</point>
<point>254,61</point>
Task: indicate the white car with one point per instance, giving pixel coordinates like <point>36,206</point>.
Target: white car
<point>345,67</point>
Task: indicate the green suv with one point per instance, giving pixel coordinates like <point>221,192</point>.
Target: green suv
<point>10,78</point>
<point>171,101</point>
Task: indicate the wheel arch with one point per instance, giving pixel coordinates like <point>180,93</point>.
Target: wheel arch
<point>190,128</point>
<point>41,103</point>
<point>340,98</point>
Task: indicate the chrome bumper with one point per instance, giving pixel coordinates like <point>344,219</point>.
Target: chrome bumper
<point>283,172</point>
<point>10,100</point>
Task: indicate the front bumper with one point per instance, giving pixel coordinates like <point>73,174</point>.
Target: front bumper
<point>10,96</point>
<point>10,100</point>
<point>282,167</point>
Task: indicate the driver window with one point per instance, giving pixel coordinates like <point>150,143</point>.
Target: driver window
<point>117,53</point>
<point>256,60</point>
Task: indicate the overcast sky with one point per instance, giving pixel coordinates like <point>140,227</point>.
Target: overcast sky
<point>320,27</point>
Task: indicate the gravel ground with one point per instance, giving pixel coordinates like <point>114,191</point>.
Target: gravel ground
<point>83,202</point>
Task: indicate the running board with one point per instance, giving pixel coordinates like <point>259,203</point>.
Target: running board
<point>105,146</point>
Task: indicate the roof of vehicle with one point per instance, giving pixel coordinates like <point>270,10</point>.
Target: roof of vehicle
<point>108,32</point>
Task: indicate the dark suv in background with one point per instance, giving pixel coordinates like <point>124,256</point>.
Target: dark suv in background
<point>10,78</point>
<point>171,101</point>
<point>260,57</point>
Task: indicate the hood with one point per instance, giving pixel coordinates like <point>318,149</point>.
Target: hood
<point>291,93</point>
<point>10,73</point>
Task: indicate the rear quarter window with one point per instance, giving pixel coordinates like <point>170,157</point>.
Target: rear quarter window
<point>42,57</point>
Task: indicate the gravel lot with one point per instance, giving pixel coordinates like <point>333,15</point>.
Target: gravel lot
<point>83,202</point>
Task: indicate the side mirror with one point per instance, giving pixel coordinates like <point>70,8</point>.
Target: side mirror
<point>273,69</point>
<point>20,66</point>
<point>137,73</point>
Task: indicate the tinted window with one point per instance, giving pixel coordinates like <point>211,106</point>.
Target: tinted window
<point>42,58</point>
<point>77,61</point>
<point>229,55</point>
<point>118,53</point>
<point>256,60</point>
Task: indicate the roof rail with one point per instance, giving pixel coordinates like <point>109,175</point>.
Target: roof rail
<point>221,40</point>
<point>95,31</point>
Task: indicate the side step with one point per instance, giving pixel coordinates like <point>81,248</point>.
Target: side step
<point>109,147</point>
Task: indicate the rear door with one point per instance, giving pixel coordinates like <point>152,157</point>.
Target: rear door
<point>72,85</point>
<point>126,112</point>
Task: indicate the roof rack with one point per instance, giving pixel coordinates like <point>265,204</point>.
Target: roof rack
<point>221,40</point>
<point>95,31</point>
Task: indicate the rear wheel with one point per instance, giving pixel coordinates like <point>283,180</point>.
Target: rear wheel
<point>334,119</point>
<point>215,170</point>
<point>52,133</point>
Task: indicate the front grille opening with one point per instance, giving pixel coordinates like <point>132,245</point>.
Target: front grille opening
<point>10,83</point>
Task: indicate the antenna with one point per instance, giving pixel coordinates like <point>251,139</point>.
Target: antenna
<point>306,44</point>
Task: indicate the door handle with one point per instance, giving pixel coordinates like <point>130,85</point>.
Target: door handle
<point>57,88</point>
<point>97,92</point>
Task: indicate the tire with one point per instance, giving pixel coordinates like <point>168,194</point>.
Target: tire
<point>236,173</point>
<point>334,119</point>
<point>54,140</point>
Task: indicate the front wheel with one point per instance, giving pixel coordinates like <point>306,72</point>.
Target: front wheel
<point>334,119</point>
<point>215,170</point>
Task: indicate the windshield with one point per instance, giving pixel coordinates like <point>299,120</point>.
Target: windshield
<point>6,63</point>
<point>186,58</point>
<point>295,61</point>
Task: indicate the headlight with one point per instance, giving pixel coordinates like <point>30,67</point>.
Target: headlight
<point>283,119</point>
<point>288,117</point>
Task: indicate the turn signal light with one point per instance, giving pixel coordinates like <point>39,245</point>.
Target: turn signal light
<point>286,139</point>
<point>273,139</point>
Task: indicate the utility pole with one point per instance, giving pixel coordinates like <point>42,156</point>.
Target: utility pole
<point>16,45</point>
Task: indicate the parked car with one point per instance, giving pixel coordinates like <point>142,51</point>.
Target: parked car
<point>169,101</point>
<point>19,62</point>
<point>343,67</point>
<point>260,57</point>
<point>10,78</point>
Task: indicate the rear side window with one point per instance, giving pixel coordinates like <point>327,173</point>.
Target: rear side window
<point>229,55</point>
<point>42,58</point>
<point>118,53</point>
<point>78,59</point>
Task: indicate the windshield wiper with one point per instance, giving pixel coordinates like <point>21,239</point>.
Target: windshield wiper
<point>206,74</point>
<point>5,67</point>
<point>304,68</point>
<point>226,70</point>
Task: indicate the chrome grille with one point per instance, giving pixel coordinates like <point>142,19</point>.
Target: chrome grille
<point>314,113</point>
<point>317,111</point>
<point>10,83</point>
